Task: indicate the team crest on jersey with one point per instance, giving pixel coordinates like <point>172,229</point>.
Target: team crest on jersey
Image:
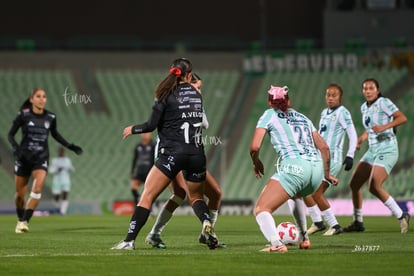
<point>367,120</point>
<point>47,124</point>
<point>333,118</point>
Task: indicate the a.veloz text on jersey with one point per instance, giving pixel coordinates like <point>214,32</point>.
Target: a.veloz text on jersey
<point>192,114</point>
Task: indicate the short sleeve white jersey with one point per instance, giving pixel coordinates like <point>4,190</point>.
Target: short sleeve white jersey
<point>379,113</point>
<point>333,125</point>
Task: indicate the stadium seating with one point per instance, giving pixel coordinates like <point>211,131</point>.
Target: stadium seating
<point>127,95</point>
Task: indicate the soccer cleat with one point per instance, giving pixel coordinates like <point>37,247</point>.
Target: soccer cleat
<point>355,226</point>
<point>275,249</point>
<point>202,239</point>
<point>211,238</point>
<point>316,227</point>
<point>404,222</point>
<point>124,245</point>
<point>336,230</point>
<point>22,227</point>
<point>155,240</point>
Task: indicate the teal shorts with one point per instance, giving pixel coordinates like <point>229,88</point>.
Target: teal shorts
<point>299,176</point>
<point>335,168</point>
<point>58,187</point>
<point>383,155</point>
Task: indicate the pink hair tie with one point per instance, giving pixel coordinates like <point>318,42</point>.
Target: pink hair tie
<point>278,92</point>
<point>176,71</point>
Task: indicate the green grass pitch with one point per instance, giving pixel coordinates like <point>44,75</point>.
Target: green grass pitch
<point>80,245</point>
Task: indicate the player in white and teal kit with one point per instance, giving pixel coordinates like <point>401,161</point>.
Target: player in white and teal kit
<point>335,121</point>
<point>379,116</point>
<point>61,167</point>
<point>304,162</point>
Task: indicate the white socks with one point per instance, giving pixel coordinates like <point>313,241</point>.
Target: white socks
<point>213,217</point>
<point>163,217</point>
<point>315,213</point>
<point>298,209</point>
<point>268,227</point>
<point>358,215</point>
<point>393,206</point>
<point>329,217</point>
<point>64,207</point>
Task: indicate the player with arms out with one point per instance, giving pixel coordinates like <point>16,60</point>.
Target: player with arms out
<point>32,153</point>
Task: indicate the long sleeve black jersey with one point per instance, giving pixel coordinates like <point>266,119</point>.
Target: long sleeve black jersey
<point>178,120</point>
<point>35,132</point>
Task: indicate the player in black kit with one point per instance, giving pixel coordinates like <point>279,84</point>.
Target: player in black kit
<point>177,114</point>
<point>141,163</point>
<point>32,154</point>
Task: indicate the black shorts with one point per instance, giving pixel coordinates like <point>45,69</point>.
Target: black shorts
<point>193,166</point>
<point>141,173</point>
<point>23,167</point>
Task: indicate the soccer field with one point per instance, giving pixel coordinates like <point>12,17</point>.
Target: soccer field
<point>80,245</point>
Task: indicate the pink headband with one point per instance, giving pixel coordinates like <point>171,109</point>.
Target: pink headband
<point>278,92</point>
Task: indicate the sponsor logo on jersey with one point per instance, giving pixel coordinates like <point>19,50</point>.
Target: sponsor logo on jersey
<point>184,106</point>
<point>182,100</point>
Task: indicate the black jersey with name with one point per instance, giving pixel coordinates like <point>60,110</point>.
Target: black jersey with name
<point>35,132</point>
<point>179,129</point>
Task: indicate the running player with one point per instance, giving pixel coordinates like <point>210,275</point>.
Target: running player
<point>379,116</point>
<point>141,163</point>
<point>32,153</point>
<point>212,191</point>
<point>304,161</point>
<point>177,114</point>
<point>335,121</point>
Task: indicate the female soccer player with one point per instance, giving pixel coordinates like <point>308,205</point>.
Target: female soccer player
<point>335,121</point>
<point>32,154</point>
<point>304,161</point>
<point>141,163</point>
<point>177,114</point>
<point>61,167</point>
<point>178,188</point>
<point>379,116</point>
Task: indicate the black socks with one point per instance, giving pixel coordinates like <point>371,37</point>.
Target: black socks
<point>138,220</point>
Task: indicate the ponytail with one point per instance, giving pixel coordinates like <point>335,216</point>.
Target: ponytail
<point>26,104</point>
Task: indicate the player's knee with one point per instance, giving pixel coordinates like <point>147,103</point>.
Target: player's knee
<point>36,195</point>
<point>218,194</point>
<point>257,210</point>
